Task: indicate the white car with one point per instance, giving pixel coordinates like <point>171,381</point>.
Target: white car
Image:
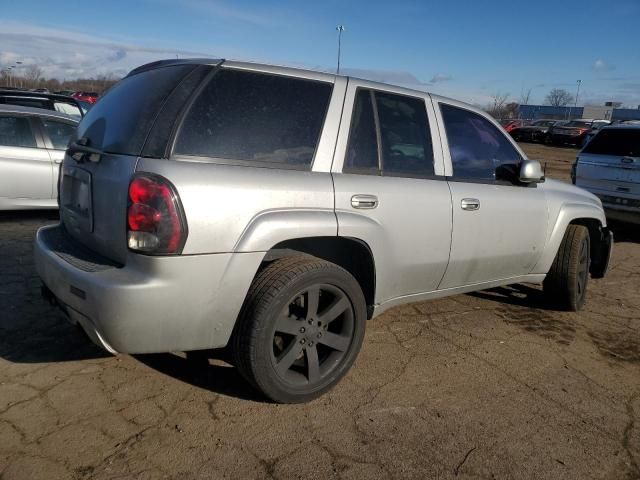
<point>32,146</point>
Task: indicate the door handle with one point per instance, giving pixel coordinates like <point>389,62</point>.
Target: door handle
<point>57,161</point>
<point>364,201</point>
<point>470,204</point>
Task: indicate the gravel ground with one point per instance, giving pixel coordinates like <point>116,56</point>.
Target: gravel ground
<point>490,385</point>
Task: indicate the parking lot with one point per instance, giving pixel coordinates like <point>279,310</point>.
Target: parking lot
<point>495,384</point>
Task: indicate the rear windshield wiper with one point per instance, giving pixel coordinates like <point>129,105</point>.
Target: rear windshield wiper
<point>81,151</point>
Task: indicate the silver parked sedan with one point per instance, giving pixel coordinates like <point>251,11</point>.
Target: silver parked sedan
<point>32,145</point>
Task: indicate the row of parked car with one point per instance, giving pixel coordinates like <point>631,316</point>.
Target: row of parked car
<point>67,104</point>
<point>554,132</point>
<point>90,97</point>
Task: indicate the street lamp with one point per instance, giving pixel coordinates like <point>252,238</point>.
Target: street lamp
<point>340,29</point>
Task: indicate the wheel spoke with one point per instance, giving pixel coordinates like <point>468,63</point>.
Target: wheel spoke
<point>286,359</point>
<point>288,324</point>
<point>313,364</point>
<point>334,310</point>
<point>313,297</point>
<point>335,341</point>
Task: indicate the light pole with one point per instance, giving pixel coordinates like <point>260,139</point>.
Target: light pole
<point>340,29</point>
<point>577,93</point>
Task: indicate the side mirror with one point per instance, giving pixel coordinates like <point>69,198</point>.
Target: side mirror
<point>531,172</point>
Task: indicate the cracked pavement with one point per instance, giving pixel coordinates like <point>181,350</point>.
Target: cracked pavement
<point>489,385</point>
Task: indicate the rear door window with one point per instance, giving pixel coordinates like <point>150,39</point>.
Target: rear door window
<point>121,120</point>
<point>362,152</point>
<point>255,117</point>
<point>405,136</point>
<point>404,145</point>
<point>622,142</point>
<point>16,132</point>
<point>59,133</point>
<point>479,151</point>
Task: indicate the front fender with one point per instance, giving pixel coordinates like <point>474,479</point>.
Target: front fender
<point>271,227</point>
<point>568,213</point>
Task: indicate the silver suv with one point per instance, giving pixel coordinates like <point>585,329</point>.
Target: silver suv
<point>273,211</point>
<point>609,167</point>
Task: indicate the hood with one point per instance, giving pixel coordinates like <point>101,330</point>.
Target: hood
<point>571,193</point>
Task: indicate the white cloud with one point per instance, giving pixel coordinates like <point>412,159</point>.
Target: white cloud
<point>601,66</point>
<point>66,54</point>
<point>439,77</point>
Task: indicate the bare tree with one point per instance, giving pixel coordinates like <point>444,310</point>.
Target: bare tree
<point>525,95</point>
<point>33,75</point>
<point>558,97</point>
<point>497,106</point>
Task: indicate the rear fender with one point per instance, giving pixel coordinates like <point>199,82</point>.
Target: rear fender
<point>275,226</point>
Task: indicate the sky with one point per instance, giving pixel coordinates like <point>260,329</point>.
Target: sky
<point>465,49</point>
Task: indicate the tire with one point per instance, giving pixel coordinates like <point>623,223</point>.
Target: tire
<point>300,329</point>
<point>567,280</point>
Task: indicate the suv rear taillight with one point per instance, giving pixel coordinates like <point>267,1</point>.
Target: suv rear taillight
<point>574,169</point>
<point>155,219</point>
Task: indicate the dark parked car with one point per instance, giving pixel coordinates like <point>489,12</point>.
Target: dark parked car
<point>573,133</point>
<point>536,132</point>
<point>47,101</point>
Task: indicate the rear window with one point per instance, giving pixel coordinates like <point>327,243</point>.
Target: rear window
<point>120,121</point>
<point>623,142</point>
<point>255,117</point>
<point>579,124</point>
<point>28,102</point>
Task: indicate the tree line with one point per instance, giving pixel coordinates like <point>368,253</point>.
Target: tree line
<point>33,77</point>
<point>501,107</point>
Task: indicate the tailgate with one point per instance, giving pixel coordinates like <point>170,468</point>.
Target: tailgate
<point>93,202</point>
<point>102,158</point>
<point>610,174</point>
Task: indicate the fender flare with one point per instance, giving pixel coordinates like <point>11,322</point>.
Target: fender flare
<point>271,227</point>
<point>569,212</point>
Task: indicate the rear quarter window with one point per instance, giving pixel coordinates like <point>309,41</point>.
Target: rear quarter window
<point>623,142</point>
<point>258,118</point>
<point>121,120</point>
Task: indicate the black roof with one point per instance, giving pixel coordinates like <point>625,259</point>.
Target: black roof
<point>4,92</point>
<point>177,61</point>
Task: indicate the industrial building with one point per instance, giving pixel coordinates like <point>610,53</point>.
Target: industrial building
<point>608,111</point>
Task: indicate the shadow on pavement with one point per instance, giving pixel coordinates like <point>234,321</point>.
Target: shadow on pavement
<point>29,215</point>
<point>625,232</point>
<point>218,377</point>
<point>517,295</point>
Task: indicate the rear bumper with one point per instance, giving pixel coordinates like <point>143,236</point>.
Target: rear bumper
<point>622,215</point>
<point>151,304</point>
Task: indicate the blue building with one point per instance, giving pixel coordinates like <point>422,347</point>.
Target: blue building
<point>605,112</point>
